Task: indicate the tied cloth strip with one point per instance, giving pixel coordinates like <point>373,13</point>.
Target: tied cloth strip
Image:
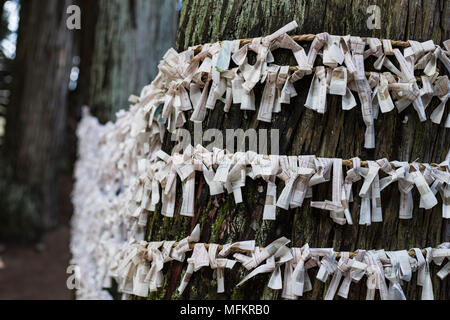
<point>227,172</point>
<point>379,265</point>
<point>343,72</point>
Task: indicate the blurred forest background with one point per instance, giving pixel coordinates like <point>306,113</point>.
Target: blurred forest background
<point>47,73</point>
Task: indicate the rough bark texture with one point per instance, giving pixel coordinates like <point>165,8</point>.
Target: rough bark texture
<point>130,38</point>
<point>35,129</point>
<point>336,134</point>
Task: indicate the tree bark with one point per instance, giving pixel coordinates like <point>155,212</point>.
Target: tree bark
<point>337,133</point>
<point>35,129</point>
<point>130,38</point>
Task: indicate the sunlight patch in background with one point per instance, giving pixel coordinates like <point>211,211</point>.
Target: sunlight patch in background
<point>8,52</point>
<point>8,45</point>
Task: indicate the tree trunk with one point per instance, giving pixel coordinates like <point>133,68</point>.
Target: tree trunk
<point>303,132</point>
<point>130,38</point>
<point>120,46</point>
<point>35,129</point>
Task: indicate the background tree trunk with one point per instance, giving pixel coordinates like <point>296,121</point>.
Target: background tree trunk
<point>35,129</point>
<point>336,134</point>
<point>130,38</point>
<point>119,48</point>
<point>120,45</point>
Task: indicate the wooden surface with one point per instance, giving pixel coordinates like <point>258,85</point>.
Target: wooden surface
<point>336,134</point>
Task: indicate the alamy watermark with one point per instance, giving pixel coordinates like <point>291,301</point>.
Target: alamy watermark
<point>233,140</point>
<point>73,281</point>
<point>73,22</point>
<point>374,20</point>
